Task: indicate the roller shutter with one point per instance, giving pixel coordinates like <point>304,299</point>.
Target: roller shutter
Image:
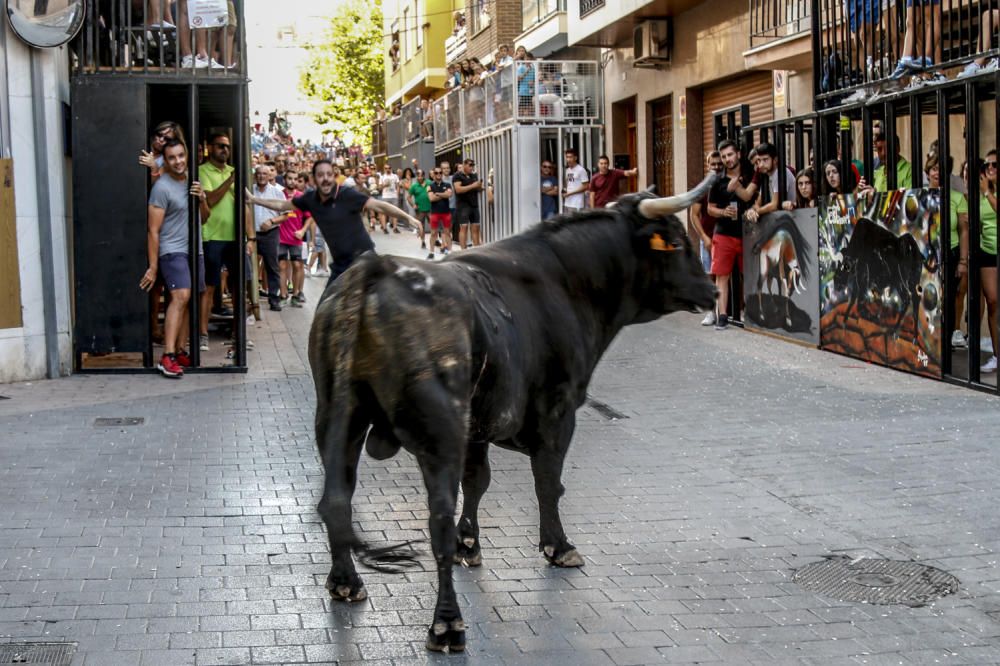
<point>753,88</point>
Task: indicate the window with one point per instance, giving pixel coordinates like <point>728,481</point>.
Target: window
<point>480,15</point>
<point>536,11</point>
<point>406,34</point>
<point>419,28</point>
<point>394,44</point>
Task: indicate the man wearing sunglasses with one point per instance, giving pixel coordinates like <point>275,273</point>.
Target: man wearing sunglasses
<point>440,194</point>
<point>219,230</point>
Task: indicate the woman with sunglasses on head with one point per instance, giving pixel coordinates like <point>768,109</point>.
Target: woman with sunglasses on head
<point>163,133</point>
<point>986,256</point>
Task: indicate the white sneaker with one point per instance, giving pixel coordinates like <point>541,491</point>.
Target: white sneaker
<point>989,366</point>
<point>858,95</point>
<point>992,65</point>
<point>709,319</point>
<point>985,345</point>
<point>189,62</point>
<point>214,64</point>
<point>971,69</point>
<point>958,340</point>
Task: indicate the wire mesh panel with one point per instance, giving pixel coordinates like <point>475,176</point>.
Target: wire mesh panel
<point>412,117</point>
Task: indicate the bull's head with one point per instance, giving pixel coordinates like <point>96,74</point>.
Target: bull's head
<point>670,276</point>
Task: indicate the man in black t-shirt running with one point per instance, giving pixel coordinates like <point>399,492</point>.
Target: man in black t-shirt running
<point>337,211</point>
<point>467,187</point>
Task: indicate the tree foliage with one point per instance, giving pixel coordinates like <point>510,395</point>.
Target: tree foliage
<point>344,72</point>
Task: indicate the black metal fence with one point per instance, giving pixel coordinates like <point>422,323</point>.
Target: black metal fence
<point>771,20</point>
<point>123,37</point>
<point>588,6</point>
<point>864,47</point>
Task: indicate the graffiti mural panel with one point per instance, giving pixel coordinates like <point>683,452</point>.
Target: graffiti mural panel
<point>781,276</point>
<point>880,287</point>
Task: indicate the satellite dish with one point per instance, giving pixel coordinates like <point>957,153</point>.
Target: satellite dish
<point>45,23</point>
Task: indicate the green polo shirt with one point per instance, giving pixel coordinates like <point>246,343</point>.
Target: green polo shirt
<point>221,224</point>
<point>988,224</point>
<point>420,198</point>
<point>959,206</point>
<point>903,175</point>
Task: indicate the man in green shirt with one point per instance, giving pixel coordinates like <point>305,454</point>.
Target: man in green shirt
<point>904,173</point>
<point>421,202</point>
<point>219,231</point>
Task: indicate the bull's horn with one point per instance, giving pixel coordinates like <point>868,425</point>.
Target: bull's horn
<point>653,208</point>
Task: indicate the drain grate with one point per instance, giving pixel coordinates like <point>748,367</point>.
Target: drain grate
<point>876,581</point>
<point>119,421</point>
<point>606,410</point>
<point>44,654</point>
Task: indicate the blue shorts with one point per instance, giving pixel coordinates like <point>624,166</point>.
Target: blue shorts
<point>870,11</point>
<point>176,271</point>
<point>923,3</point>
<point>219,254</point>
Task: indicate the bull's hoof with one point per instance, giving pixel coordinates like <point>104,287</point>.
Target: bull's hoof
<point>446,636</point>
<point>341,591</point>
<point>567,558</point>
<point>468,552</point>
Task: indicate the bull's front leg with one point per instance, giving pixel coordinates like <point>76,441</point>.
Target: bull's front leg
<point>475,481</point>
<point>546,466</point>
<point>441,476</point>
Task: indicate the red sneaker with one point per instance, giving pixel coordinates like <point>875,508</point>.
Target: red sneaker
<point>169,367</point>
<point>183,359</point>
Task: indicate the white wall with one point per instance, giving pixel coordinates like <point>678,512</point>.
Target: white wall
<point>22,350</point>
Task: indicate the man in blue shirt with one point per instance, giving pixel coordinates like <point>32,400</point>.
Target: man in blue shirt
<point>550,190</point>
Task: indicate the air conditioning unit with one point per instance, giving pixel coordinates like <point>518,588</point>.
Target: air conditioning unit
<point>652,42</point>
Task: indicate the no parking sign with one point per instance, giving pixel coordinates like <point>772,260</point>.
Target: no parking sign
<point>208,13</point>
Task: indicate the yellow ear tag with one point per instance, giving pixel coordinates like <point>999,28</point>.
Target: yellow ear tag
<point>657,243</point>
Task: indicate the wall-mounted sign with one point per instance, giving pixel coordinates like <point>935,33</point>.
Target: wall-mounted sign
<point>208,13</point>
<point>682,102</point>
<point>780,88</point>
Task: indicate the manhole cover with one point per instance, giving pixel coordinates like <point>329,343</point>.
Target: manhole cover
<point>876,581</point>
<point>49,654</point>
<point>119,421</point>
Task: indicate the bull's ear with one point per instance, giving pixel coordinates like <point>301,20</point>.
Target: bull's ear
<point>657,243</point>
<point>653,238</point>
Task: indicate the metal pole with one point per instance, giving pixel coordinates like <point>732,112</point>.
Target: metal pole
<point>45,227</point>
<point>948,276</point>
<point>972,159</point>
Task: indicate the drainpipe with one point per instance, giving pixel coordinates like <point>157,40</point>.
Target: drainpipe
<point>45,236</point>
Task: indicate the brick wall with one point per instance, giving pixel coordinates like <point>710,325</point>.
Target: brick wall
<point>505,26</point>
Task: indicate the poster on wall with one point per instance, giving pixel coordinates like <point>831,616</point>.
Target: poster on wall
<point>780,276</point>
<point>880,291</point>
<point>208,13</point>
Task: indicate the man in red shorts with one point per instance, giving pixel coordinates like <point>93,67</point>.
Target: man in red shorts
<point>727,202</point>
<point>440,194</point>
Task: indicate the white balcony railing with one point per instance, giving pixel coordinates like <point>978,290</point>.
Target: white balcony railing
<point>455,46</point>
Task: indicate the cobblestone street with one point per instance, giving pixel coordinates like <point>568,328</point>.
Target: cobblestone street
<point>193,537</point>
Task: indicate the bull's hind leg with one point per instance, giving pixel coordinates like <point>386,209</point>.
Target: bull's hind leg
<point>475,481</point>
<point>343,583</point>
<point>546,466</point>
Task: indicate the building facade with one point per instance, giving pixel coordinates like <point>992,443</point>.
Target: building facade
<point>670,67</point>
<point>35,296</point>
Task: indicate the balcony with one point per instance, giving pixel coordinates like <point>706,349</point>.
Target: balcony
<point>115,40</point>
<point>780,35</point>
<point>543,26</point>
<point>455,46</point>
<point>611,24</point>
<point>852,65</point>
<point>416,122</point>
<point>562,92</point>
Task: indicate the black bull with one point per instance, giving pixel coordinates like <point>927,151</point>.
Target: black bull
<point>876,259</point>
<point>495,345</point>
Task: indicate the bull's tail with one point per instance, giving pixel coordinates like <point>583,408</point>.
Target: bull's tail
<point>332,343</point>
